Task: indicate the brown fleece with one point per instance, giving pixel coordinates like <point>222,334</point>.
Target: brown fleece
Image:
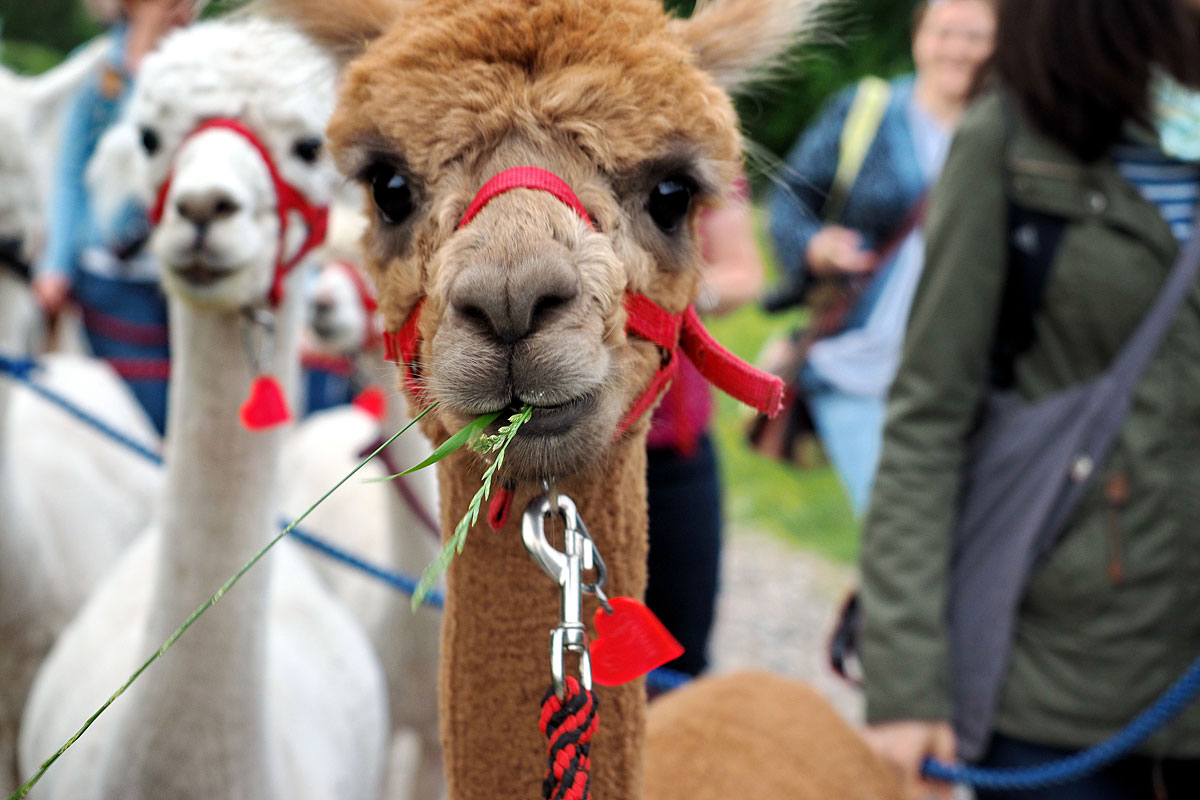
<point>757,735</point>
<point>500,609</point>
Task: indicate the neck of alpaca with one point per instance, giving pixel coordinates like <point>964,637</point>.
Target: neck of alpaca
<point>14,304</point>
<point>413,544</point>
<point>500,609</point>
<point>219,508</point>
<point>20,571</point>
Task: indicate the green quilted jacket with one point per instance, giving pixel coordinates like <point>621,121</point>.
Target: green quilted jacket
<point>1112,616</point>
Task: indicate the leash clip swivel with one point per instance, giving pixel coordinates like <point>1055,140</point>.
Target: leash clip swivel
<point>566,567</point>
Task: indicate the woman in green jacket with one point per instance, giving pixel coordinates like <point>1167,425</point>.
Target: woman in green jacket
<point>1094,133</point>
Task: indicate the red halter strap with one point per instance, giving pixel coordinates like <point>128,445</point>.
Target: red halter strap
<point>525,178</point>
<point>288,199</point>
<point>645,319</point>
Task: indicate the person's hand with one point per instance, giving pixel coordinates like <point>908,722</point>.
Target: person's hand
<point>836,250</point>
<point>50,292</point>
<point>904,746</point>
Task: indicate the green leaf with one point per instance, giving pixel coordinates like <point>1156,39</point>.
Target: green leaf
<point>470,431</point>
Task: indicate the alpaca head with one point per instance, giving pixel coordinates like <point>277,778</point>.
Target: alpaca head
<point>341,312</point>
<point>525,304</point>
<point>216,110</point>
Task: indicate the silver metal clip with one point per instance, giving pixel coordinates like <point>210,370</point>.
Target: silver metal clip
<point>566,568</point>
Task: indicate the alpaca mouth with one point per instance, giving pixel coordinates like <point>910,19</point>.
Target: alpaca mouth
<point>198,273</point>
<point>549,420</point>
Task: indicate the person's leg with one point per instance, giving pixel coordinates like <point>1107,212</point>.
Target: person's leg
<point>685,548</point>
<point>1125,780</point>
<point>851,431</point>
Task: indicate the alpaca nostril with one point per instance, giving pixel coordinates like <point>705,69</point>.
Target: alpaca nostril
<point>322,308</point>
<point>205,206</point>
<point>475,315</point>
<point>544,308</point>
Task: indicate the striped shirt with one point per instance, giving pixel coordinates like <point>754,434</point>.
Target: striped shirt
<point>1172,185</point>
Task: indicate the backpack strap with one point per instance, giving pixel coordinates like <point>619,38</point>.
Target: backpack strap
<point>1033,239</point>
<point>862,123</point>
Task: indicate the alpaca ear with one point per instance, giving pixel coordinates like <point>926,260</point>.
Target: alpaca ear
<point>740,41</point>
<point>344,33</point>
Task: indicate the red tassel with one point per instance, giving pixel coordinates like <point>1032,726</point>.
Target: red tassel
<point>372,401</point>
<point>266,407</point>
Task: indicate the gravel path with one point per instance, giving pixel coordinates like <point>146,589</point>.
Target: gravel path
<point>775,611</point>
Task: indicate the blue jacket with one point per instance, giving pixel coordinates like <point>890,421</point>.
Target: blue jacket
<point>887,187</point>
<point>124,311</point>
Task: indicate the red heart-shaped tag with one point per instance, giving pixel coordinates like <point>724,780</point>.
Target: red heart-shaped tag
<point>372,401</point>
<point>266,406</point>
<point>629,643</point>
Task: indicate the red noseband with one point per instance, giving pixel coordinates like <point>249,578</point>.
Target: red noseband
<point>288,199</point>
<point>672,333</point>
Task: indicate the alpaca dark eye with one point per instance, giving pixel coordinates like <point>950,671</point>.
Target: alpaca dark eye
<point>391,193</point>
<point>150,141</point>
<point>307,150</point>
<point>669,203</point>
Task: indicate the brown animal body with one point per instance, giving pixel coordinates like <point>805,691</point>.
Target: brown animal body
<point>525,304</point>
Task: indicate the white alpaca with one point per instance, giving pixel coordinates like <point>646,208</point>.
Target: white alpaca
<point>35,107</point>
<point>70,499</point>
<point>373,519</point>
<point>275,693</point>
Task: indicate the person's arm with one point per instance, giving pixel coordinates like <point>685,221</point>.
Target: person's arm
<point>68,206</point>
<point>797,198</point>
<point>942,377</point>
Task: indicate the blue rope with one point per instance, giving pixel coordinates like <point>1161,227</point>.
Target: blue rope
<point>23,369</point>
<point>1085,762</point>
<point>394,579</point>
<point>661,679</point>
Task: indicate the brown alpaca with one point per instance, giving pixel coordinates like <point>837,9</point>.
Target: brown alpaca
<point>525,305</point>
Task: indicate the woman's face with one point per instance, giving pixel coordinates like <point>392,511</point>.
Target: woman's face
<point>953,39</point>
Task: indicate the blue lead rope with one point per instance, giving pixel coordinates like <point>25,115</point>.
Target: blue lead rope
<point>22,370</point>
<point>1085,762</point>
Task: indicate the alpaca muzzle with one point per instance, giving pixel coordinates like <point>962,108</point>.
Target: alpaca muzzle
<point>674,334</point>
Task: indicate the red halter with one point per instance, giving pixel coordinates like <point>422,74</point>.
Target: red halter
<point>644,318</point>
<point>288,199</point>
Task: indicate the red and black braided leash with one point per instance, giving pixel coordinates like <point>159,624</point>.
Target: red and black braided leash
<point>568,725</point>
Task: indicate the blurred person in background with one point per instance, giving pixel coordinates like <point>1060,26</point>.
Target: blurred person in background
<point>107,272</point>
<point>683,483</point>
<point>1093,127</point>
<point>848,235</point>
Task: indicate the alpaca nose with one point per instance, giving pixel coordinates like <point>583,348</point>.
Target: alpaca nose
<point>322,307</point>
<point>203,206</point>
<point>513,302</point>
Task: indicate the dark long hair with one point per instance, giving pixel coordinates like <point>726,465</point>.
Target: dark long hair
<point>1081,68</point>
